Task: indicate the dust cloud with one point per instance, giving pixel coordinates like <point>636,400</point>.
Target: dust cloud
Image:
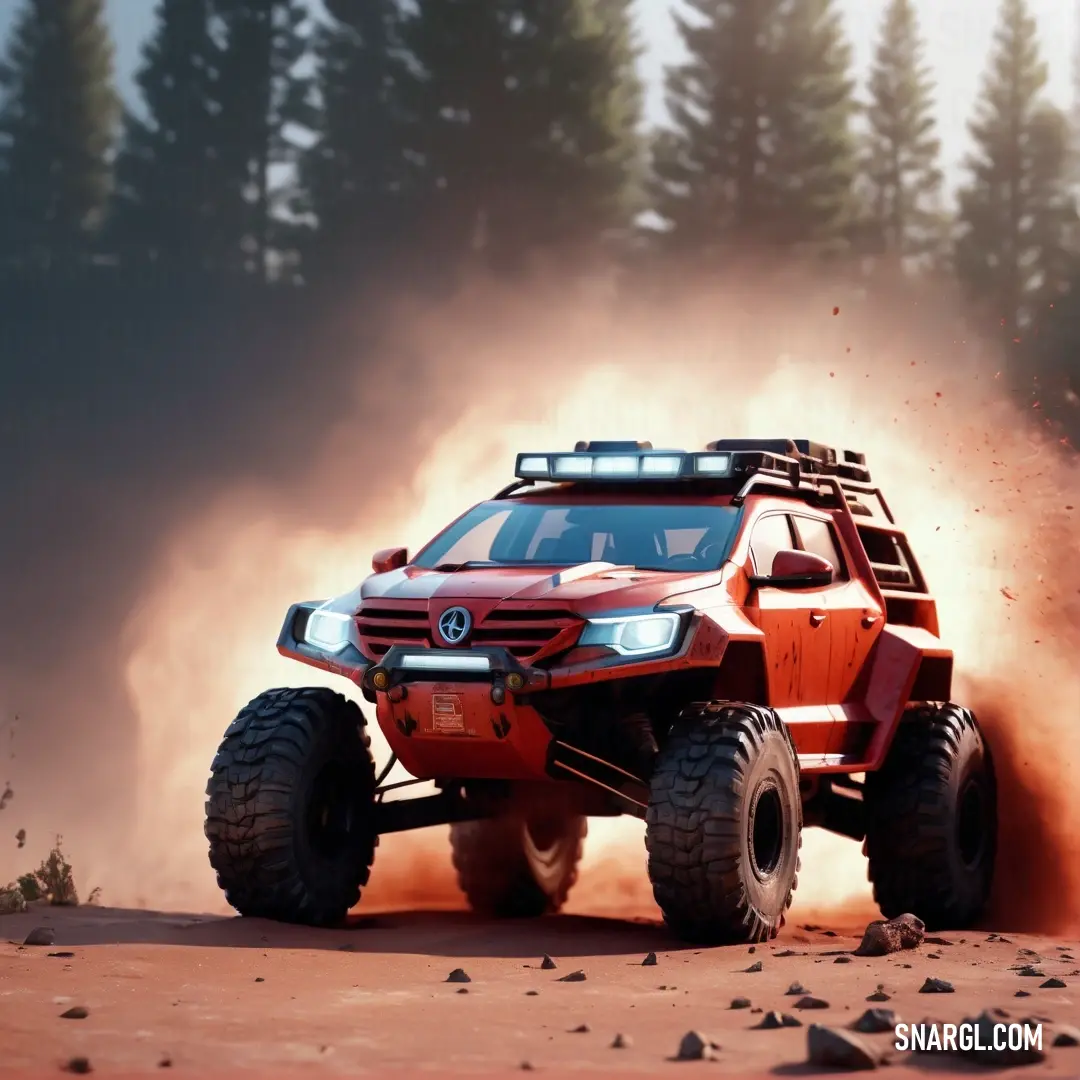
<point>987,498</point>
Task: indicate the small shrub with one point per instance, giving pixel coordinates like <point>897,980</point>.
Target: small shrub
<point>56,878</point>
<point>31,890</point>
<point>12,901</point>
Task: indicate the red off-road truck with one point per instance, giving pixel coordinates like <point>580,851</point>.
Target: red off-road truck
<point>731,644</point>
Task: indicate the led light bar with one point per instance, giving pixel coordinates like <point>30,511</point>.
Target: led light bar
<point>623,465</point>
<point>444,660</point>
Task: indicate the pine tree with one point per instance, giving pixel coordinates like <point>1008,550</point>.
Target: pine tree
<point>58,111</point>
<point>900,168</point>
<point>357,185</point>
<point>169,205</point>
<point>1015,211</point>
<point>263,101</point>
<point>759,151</point>
<point>526,119</point>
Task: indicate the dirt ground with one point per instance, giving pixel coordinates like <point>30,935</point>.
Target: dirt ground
<point>213,997</point>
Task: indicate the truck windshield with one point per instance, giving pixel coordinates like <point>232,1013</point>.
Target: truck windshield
<point>674,537</point>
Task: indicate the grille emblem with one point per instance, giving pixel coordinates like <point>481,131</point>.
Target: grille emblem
<point>454,625</point>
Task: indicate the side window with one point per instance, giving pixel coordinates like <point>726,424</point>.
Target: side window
<point>771,534</point>
<point>818,538</point>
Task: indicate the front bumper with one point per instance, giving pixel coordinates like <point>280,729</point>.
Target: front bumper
<point>452,717</point>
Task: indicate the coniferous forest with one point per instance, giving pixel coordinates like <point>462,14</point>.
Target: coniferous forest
<point>275,164</point>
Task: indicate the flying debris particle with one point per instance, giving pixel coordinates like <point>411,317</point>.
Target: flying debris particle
<point>1008,593</point>
<point>832,374</point>
<point>20,838</point>
<point>836,311</point>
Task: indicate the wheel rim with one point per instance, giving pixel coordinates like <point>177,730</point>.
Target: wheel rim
<point>766,830</point>
<point>334,811</point>
<point>971,823</point>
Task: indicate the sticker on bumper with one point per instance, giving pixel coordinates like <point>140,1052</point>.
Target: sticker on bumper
<point>447,714</point>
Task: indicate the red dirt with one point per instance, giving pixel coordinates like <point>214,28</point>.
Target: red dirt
<point>186,989</point>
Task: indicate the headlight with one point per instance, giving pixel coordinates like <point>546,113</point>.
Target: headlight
<point>328,630</point>
<point>634,635</point>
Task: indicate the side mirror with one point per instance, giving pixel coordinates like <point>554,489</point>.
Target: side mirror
<point>796,570</point>
<point>389,559</point>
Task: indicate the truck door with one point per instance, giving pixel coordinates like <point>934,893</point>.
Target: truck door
<point>793,622</point>
<point>854,617</point>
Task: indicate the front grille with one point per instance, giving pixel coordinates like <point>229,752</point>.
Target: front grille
<point>382,627</point>
<point>525,632</point>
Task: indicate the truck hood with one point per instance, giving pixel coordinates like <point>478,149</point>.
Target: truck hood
<point>613,586</point>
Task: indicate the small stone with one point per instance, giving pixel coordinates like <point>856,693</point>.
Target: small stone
<point>842,960</point>
<point>581,1029</point>
<point>1028,952</point>
<point>773,1020</point>
<point>1022,993</point>
<point>458,975</point>
<point>936,986</point>
<point>165,1062</point>
<point>79,1065</point>
<point>1029,972</point>
<point>1052,984</point>
<point>574,976</point>
<point>526,1066</point>
<point>891,935</point>
<point>789,952</point>
<point>463,990</point>
<point>62,955</point>
<point>621,1042</point>
<point>937,941</point>
<point>695,1047</point>
<point>1066,1035</point>
<point>878,995</point>
<point>649,961</point>
<point>752,950</point>
<point>754,967</point>
<point>832,1049</point>
<point>76,1012</point>
<point>40,935</point>
<point>875,1021</point>
<point>796,989</point>
<point>740,1003</point>
<point>547,964</point>
<point>259,978</point>
<point>809,1002</point>
<point>933,956</point>
<point>532,993</point>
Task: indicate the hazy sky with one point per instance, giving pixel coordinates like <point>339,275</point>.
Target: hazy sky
<point>958,34</point>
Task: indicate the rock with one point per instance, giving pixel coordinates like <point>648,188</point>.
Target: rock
<point>1022,993</point>
<point>1027,971</point>
<point>740,1003</point>
<point>621,1042</point>
<point>581,1029</point>
<point>811,1003</point>
<point>12,901</point>
<point>937,941</point>
<point>1052,984</point>
<point>62,955</point>
<point>878,995</point>
<point>79,1065</point>
<point>891,935</point>
<point>574,976</point>
<point>547,964</point>
<point>936,986</point>
<point>1028,952</point>
<point>1066,1035</point>
<point>832,1049</point>
<point>40,935</point>
<point>259,978</point>
<point>649,961</point>
<point>842,960</point>
<point>76,1012</point>
<point>526,1066</point>
<point>458,975</point>
<point>789,952</point>
<point>695,1047</point>
<point>165,1062</point>
<point>796,989</point>
<point>463,990</point>
<point>755,966</point>
<point>773,1019</point>
<point>875,1021</point>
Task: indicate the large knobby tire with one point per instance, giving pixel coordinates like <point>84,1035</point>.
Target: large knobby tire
<point>518,867</point>
<point>931,820</point>
<point>289,807</point>
<point>724,824</point>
